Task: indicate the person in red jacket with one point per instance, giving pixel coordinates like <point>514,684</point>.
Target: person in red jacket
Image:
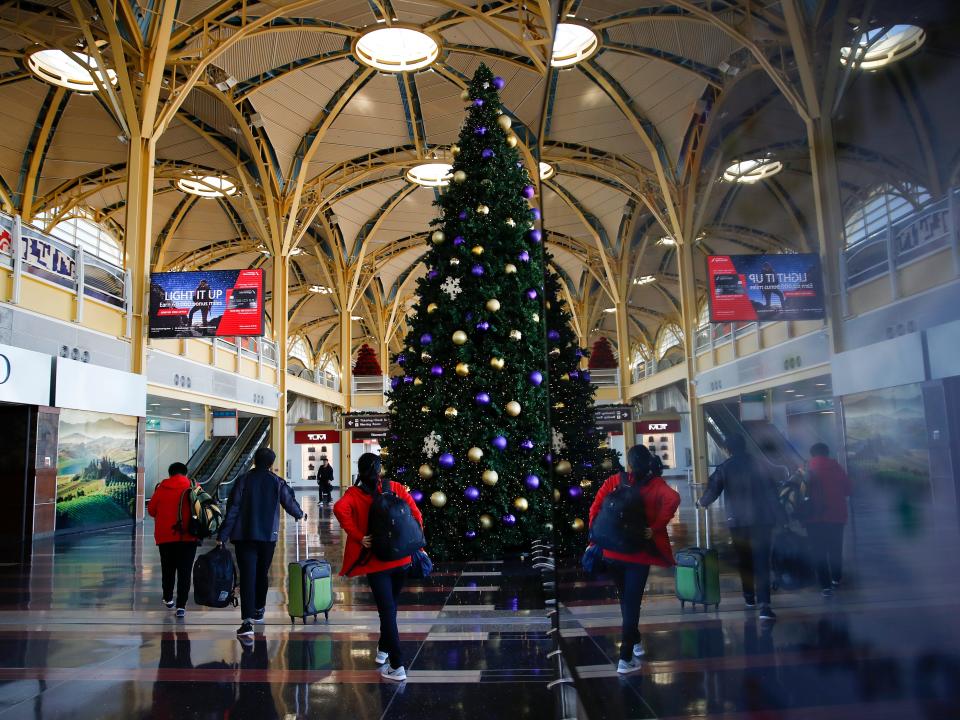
<point>384,577</point>
<point>829,487</point>
<point>177,546</point>
<point>630,570</point>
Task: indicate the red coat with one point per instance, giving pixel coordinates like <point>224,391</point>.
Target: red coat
<point>164,507</point>
<point>353,512</point>
<point>831,488</point>
<point>660,501</point>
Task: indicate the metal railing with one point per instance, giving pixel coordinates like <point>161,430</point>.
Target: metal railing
<point>370,384</point>
<point>319,377</point>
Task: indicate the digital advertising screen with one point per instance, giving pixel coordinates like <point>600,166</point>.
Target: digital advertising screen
<point>206,303</point>
<point>765,287</point>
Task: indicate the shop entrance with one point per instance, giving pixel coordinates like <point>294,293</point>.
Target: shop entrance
<point>16,476</point>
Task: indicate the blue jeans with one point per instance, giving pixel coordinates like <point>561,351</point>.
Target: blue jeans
<point>386,586</point>
<point>631,580</point>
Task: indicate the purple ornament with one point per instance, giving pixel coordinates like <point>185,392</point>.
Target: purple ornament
<point>553,335</point>
<point>446,461</point>
<point>417,496</point>
<point>548,458</point>
<point>531,294</point>
<point>482,398</point>
<point>574,374</point>
<point>535,212</point>
<point>471,493</point>
<point>478,102</point>
<point>536,377</point>
<point>407,379</point>
<point>499,82</point>
<point>458,240</point>
<point>588,464</point>
<point>578,353</point>
<point>395,382</point>
<point>477,270</point>
<point>462,214</point>
<point>524,256</point>
<point>483,325</point>
<point>535,235</point>
<point>487,153</point>
<point>532,481</point>
<point>470,534</point>
<point>436,370</point>
<point>528,192</point>
<point>509,520</point>
<point>575,491</point>
<point>432,274</point>
<point>586,376</point>
<point>526,444</point>
<point>426,339</point>
<point>469,316</point>
<point>499,442</point>
<point>401,359</point>
<point>481,130</point>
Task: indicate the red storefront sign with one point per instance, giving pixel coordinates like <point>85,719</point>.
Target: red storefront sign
<point>647,427</point>
<point>309,437</point>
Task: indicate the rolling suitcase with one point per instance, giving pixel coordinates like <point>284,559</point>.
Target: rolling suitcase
<point>309,585</point>
<point>698,571</point>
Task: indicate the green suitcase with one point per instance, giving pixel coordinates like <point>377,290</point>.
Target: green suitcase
<point>309,586</point>
<point>698,571</point>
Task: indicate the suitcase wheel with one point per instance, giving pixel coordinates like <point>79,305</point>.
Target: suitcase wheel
<point>293,619</point>
<point>683,604</point>
<point>326,616</point>
<point>314,618</point>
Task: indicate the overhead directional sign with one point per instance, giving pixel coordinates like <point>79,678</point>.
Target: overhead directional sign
<point>612,414</point>
<point>366,421</point>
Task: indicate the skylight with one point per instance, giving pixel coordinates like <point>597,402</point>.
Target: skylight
<point>573,43</point>
<point>884,45</point>
<point>752,170</point>
<point>644,280</point>
<point>396,49</point>
<point>60,68</point>
<point>431,174</point>
<point>547,171</point>
<point>207,186</point>
<point>321,290</point>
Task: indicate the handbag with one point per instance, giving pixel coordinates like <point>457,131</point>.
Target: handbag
<point>592,560</point>
<point>421,566</point>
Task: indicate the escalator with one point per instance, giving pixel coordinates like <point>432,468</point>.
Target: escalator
<point>763,438</point>
<point>238,457</point>
<point>203,455</point>
<point>220,448</point>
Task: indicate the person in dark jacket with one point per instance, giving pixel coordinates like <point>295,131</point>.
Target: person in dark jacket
<point>829,487</point>
<point>630,570</point>
<point>753,510</point>
<point>177,546</point>
<point>252,523</point>
<point>325,480</point>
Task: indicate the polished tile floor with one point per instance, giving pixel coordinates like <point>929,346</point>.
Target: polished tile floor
<point>83,635</point>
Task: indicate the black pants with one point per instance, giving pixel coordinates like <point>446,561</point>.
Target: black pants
<point>752,545</point>
<point>176,565</point>
<point>826,542</point>
<point>631,581</point>
<point>253,562</point>
<point>386,586</point>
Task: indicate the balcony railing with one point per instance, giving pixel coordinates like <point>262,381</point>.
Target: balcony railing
<point>370,384</point>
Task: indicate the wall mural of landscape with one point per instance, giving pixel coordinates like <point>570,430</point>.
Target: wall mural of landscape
<point>96,470</point>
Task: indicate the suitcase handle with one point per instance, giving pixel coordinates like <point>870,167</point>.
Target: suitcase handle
<point>706,525</point>
<point>306,547</point>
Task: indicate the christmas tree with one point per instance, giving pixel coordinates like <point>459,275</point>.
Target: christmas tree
<point>470,434</point>
<point>580,463</point>
<point>601,356</point>
<point>367,362</point>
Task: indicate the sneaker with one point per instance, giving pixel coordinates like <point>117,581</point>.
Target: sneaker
<point>628,666</point>
<point>169,604</point>
<point>827,592</point>
<point>181,612</point>
<point>247,642</point>
<point>395,674</point>
<point>835,583</point>
<point>381,658</point>
<point>767,613</point>
<point>246,629</point>
<point>638,650</point>
<point>749,602</point>
<point>258,615</point>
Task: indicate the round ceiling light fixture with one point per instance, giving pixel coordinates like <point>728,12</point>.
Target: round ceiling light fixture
<point>207,186</point>
<point>752,170</point>
<point>547,171</point>
<point>396,49</point>
<point>882,46</point>
<point>573,43</point>
<point>435,174</point>
<point>74,71</point>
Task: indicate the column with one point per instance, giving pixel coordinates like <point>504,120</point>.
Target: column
<point>278,312</point>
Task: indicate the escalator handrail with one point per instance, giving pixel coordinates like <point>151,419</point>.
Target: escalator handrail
<point>247,447</point>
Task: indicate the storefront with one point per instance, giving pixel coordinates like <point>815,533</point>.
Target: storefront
<point>659,435</point>
<point>311,445</point>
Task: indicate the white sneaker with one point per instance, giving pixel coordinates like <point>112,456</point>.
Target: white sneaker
<point>638,650</point>
<point>382,657</point>
<point>624,667</point>
<point>397,675</point>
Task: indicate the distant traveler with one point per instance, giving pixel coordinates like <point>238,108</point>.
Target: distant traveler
<point>177,546</point>
<point>202,302</point>
<point>384,577</point>
<point>753,510</point>
<point>829,487</point>
<point>253,525</point>
<point>325,480</point>
<point>630,570</point>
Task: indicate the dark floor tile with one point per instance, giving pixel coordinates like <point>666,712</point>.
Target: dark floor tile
<point>483,655</point>
<point>462,701</point>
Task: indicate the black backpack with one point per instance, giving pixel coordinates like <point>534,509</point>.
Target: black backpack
<point>395,531</point>
<point>621,522</point>
<point>215,579</point>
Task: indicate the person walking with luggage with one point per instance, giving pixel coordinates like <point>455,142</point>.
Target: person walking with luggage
<point>828,487</point>
<point>658,504</point>
<point>176,545</point>
<point>325,480</point>
<point>385,577</point>
<point>753,510</point>
<point>253,525</point>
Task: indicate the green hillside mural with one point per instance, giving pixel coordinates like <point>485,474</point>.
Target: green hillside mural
<point>96,470</point>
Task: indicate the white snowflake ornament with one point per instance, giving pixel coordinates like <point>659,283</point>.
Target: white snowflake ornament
<point>556,441</point>
<point>451,286</point>
<point>431,444</point>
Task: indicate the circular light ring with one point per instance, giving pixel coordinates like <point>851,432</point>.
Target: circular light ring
<point>883,46</point>
<point>752,170</point>
<point>396,49</point>
<point>431,174</point>
<point>573,43</point>
<point>56,67</point>
<point>207,186</point>
<point>547,171</point>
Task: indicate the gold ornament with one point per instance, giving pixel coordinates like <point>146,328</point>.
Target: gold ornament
<point>438,499</point>
<point>521,504</point>
<point>510,222</point>
<point>465,95</point>
<point>504,122</point>
<point>577,524</point>
<point>549,304</point>
<point>454,149</point>
<point>513,408</point>
<point>384,451</point>
<point>450,412</point>
<point>454,261</point>
<point>459,337</point>
<point>438,237</point>
<point>425,356</point>
<point>483,209</point>
<point>497,363</point>
<point>607,464</point>
<point>535,317</point>
<point>486,522</point>
<point>424,409</point>
<point>565,376</point>
<point>462,369</point>
<point>417,381</point>
<point>559,406</point>
<point>515,335</point>
<point>432,308</point>
<point>490,477</point>
<point>509,268</point>
<point>555,352</point>
<point>556,495</point>
<point>493,305</point>
<point>564,467</point>
<point>474,454</point>
<point>426,472</point>
<point>512,140</point>
<point>459,176</point>
<point>477,250</point>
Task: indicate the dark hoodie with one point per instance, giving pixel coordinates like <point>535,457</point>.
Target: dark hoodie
<point>253,509</point>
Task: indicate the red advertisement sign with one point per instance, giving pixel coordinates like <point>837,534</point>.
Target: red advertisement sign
<point>784,286</point>
<point>650,427</point>
<point>207,303</point>
<point>309,437</point>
